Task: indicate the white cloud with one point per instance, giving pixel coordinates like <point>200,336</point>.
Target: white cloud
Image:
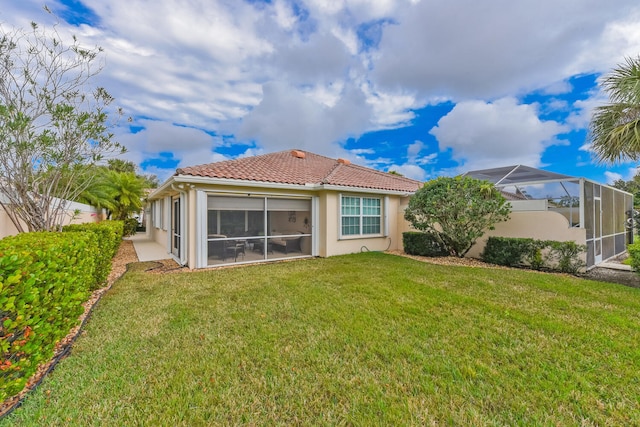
<point>624,174</point>
<point>501,133</point>
<point>414,166</point>
<point>187,146</point>
<point>583,110</point>
<point>414,149</point>
<point>284,15</point>
<point>410,171</point>
<point>287,118</point>
<point>320,58</point>
<point>612,177</point>
<point>295,74</point>
<point>471,49</point>
<point>586,147</point>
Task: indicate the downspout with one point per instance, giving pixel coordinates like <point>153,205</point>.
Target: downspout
<point>183,235</point>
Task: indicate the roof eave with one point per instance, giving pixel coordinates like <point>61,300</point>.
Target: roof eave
<point>331,187</point>
<point>191,179</point>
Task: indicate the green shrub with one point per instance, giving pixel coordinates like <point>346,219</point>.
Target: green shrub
<point>458,210</point>
<point>537,254</point>
<point>508,251</point>
<point>566,255</point>
<point>44,280</point>
<point>423,244</point>
<point>130,226</point>
<point>634,256</point>
<point>109,235</point>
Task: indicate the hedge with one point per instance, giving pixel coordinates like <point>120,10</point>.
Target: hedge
<point>423,244</point>
<point>109,235</point>
<point>44,280</point>
<point>537,254</point>
<point>509,251</point>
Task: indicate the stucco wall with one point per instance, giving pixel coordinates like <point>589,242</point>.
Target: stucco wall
<point>325,227</point>
<point>6,226</point>
<point>334,245</point>
<point>86,214</point>
<point>402,224</point>
<point>537,225</point>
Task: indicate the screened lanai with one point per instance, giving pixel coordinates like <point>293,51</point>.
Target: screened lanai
<point>603,212</point>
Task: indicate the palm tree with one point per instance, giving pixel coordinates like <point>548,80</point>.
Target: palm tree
<point>129,191</point>
<point>120,193</point>
<point>615,127</point>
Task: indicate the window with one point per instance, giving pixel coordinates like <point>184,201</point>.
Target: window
<point>158,214</point>
<point>360,215</point>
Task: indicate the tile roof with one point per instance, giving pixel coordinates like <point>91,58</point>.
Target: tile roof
<point>298,167</point>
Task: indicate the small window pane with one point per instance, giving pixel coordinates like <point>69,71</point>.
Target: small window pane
<point>371,225</point>
<point>350,206</point>
<point>370,206</point>
<point>350,226</point>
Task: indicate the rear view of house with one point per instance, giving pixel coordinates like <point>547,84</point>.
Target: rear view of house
<point>288,204</point>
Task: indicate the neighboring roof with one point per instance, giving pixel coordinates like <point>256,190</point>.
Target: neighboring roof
<point>301,168</point>
<point>511,196</point>
<point>519,174</point>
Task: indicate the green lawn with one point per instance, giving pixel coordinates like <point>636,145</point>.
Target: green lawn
<point>366,339</point>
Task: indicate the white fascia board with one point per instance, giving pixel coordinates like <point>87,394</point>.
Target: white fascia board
<point>189,179</point>
<point>347,189</point>
<point>158,192</point>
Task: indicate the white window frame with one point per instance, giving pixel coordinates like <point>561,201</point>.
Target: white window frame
<point>165,215</point>
<point>158,213</point>
<point>361,216</point>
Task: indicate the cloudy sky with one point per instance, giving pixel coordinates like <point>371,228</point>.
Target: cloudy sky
<point>422,87</point>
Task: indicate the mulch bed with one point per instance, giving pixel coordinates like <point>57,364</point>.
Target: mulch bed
<point>602,274</point>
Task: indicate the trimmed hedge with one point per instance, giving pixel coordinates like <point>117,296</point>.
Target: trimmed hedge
<point>44,280</point>
<point>423,244</point>
<point>109,236</point>
<point>536,254</point>
<point>508,251</point>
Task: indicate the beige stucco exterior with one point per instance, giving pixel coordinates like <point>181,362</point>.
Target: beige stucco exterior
<point>85,213</point>
<point>324,227</point>
<point>541,225</point>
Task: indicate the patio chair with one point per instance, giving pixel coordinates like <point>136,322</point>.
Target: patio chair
<point>233,248</point>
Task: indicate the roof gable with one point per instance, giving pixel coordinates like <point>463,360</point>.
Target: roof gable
<point>301,168</point>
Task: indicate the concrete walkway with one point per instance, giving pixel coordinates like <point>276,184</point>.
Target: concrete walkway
<point>614,266</point>
<point>147,249</point>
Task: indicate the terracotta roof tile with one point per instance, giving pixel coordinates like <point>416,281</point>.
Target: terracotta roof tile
<point>286,168</point>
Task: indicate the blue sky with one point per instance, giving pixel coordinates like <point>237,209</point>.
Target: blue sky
<point>423,87</point>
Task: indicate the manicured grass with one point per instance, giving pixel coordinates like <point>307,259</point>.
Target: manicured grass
<point>367,339</point>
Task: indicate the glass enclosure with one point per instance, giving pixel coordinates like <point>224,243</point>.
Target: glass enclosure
<point>257,228</point>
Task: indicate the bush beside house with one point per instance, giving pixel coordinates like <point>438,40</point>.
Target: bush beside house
<point>45,277</point>
<point>423,244</point>
<point>634,255</point>
<point>536,254</point>
<point>457,211</point>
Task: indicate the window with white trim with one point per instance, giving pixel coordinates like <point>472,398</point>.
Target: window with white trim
<point>157,213</point>
<point>360,216</point>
